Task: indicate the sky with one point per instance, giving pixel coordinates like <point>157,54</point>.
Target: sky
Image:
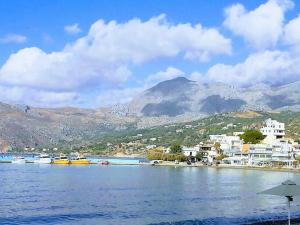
<point>90,53</point>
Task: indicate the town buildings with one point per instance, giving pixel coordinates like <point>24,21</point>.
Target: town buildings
<point>274,150</point>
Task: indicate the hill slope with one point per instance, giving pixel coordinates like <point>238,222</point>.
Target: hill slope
<point>191,133</point>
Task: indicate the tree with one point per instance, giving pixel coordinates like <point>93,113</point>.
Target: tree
<point>176,148</point>
<point>217,146</point>
<point>200,155</point>
<point>252,136</point>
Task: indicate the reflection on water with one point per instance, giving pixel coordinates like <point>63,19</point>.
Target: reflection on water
<point>51,194</point>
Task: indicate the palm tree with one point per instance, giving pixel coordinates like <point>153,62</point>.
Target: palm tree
<point>217,146</point>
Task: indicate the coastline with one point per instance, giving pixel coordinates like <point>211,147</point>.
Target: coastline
<point>226,166</point>
<point>128,158</point>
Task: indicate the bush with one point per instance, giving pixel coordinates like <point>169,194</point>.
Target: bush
<point>155,154</point>
<point>180,157</point>
<point>220,157</point>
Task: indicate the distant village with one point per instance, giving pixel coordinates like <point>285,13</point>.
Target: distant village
<point>273,150</point>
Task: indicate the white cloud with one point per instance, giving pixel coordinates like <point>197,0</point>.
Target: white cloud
<point>292,32</point>
<point>196,76</point>
<point>20,95</point>
<point>13,38</point>
<point>72,29</point>
<point>261,27</point>
<point>118,96</point>
<point>273,67</point>
<point>168,74</point>
<point>105,54</point>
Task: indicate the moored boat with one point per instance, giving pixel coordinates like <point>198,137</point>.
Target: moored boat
<point>62,159</point>
<point>80,160</point>
<point>43,159</point>
<point>18,160</point>
<point>104,163</point>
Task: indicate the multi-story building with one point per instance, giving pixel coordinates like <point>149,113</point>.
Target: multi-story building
<point>273,128</point>
<point>259,153</point>
<point>228,144</point>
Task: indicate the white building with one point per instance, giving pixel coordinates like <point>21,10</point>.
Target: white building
<point>273,128</point>
<point>190,151</point>
<point>148,147</point>
<point>260,153</point>
<point>229,144</point>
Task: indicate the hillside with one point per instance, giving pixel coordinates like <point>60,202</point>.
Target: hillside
<point>173,101</point>
<point>192,133</point>
<point>23,126</point>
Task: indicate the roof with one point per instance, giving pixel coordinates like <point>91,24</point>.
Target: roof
<point>245,148</point>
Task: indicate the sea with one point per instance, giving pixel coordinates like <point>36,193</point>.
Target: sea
<point>139,194</point>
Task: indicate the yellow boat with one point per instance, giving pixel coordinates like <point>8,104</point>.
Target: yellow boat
<point>80,160</point>
<point>62,159</point>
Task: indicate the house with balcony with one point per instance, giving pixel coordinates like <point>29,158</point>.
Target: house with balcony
<point>273,128</point>
<point>259,154</point>
<point>229,144</point>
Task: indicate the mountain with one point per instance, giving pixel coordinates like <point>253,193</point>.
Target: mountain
<point>181,96</point>
<point>22,126</point>
<point>173,101</point>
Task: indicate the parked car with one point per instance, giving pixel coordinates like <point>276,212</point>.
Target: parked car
<point>262,163</point>
<point>154,162</point>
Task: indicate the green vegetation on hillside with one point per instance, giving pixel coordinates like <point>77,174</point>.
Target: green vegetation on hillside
<point>190,134</point>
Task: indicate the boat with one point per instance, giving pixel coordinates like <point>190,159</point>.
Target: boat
<point>62,159</point>
<point>79,160</point>
<point>104,163</point>
<point>18,160</point>
<point>43,159</point>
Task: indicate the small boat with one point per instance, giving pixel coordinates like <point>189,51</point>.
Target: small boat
<point>62,159</point>
<point>104,163</point>
<point>18,160</point>
<point>43,159</point>
<point>79,160</point>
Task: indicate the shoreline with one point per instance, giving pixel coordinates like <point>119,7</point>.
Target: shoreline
<point>225,166</point>
<point>197,164</point>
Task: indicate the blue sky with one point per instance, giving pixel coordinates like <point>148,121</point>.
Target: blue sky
<point>57,53</point>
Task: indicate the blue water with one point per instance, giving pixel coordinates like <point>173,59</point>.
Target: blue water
<point>93,194</point>
<point>93,159</point>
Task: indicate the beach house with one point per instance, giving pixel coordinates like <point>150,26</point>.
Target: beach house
<point>190,151</point>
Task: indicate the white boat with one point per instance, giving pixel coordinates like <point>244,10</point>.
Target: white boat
<point>18,160</point>
<point>43,159</point>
